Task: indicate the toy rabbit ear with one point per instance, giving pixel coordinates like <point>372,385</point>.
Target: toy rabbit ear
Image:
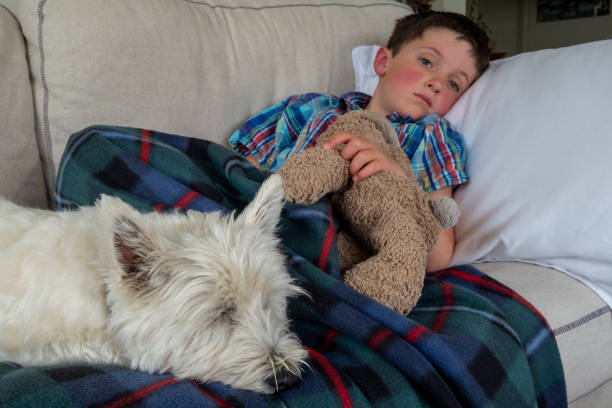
<point>266,207</point>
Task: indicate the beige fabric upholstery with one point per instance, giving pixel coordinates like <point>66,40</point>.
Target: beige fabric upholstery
<point>582,322</point>
<point>195,68</point>
<point>598,398</point>
<point>21,175</point>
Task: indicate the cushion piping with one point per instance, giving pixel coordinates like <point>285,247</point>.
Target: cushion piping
<point>579,322</point>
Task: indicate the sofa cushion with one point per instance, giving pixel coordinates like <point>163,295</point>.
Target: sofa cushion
<point>581,321</point>
<point>195,68</point>
<point>22,177</point>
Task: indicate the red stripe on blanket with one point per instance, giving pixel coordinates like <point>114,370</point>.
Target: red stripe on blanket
<point>208,395</point>
<point>328,340</point>
<point>379,337</point>
<point>447,292</point>
<point>140,394</point>
<point>334,377</point>
<point>327,243</point>
<point>145,147</point>
<point>492,286</point>
<point>186,199</point>
<point>415,334</point>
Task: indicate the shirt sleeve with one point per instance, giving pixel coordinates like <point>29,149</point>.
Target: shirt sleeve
<point>441,157</point>
<point>274,130</point>
<point>257,136</point>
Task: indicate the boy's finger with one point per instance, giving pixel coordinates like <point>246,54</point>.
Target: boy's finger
<point>337,139</point>
<point>350,150</point>
<point>357,145</point>
<point>361,159</point>
<point>370,169</point>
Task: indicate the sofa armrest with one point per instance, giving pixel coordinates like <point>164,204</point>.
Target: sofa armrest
<point>21,177</point>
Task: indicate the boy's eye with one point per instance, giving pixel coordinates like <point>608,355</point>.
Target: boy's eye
<point>425,62</point>
<point>454,86</point>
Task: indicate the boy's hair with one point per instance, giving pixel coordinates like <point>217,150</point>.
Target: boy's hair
<point>412,26</point>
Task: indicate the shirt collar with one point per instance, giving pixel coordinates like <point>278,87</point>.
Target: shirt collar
<point>359,100</point>
<point>395,117</point>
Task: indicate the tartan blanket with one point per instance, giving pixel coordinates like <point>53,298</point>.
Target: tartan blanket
<point>469,342</point>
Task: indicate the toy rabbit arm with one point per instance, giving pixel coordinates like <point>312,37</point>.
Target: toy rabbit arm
<point>312,174</point>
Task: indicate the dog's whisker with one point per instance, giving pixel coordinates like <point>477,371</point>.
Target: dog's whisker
<point>295,368</point>
<point>283,363</point>
<point>273,372</point>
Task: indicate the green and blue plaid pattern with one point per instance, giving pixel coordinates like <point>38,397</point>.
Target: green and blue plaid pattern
<point>469,342</point>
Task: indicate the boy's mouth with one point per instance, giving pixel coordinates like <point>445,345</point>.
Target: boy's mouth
<point>424,99</point>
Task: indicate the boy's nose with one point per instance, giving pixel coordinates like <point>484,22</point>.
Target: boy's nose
<point>433,86</point>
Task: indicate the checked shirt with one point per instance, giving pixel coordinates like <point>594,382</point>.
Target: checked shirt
<point>436,151</point>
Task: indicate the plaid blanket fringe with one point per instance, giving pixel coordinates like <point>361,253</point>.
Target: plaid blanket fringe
<point>469,342</point>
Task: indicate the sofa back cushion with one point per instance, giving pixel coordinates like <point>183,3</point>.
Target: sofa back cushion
<point>189,67</point>
<point>21,177</point>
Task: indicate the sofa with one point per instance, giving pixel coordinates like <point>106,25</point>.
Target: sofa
<point>537,128</point>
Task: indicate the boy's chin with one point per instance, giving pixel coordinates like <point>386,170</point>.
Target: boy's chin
<point>414,115</point>
<point>414,112</point>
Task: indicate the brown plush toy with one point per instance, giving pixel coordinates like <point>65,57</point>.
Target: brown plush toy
<point>391,223</point>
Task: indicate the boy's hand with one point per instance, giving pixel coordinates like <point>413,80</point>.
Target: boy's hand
<point>364,156</point>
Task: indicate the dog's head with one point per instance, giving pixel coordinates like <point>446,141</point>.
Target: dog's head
<point>204,295</point>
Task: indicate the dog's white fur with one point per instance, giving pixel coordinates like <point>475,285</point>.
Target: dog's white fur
<point>200,295</point>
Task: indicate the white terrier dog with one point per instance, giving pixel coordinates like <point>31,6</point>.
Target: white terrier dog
<point>200,295</point>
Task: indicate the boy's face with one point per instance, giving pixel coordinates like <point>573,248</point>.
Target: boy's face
<point>426,76</point>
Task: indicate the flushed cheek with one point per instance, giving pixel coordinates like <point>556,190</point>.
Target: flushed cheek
<point>408,76</point>
<point>443,104</point>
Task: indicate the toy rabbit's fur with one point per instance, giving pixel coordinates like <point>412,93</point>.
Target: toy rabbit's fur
<point>391,223</point>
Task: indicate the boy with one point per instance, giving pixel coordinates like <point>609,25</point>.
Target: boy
<point>430,60</point>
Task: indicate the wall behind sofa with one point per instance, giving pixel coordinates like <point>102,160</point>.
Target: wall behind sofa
<point>563,32</point>
<point>516,30</point>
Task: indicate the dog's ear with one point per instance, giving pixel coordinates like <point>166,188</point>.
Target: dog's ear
<point>266,207</point>
<point>135,253</point>
<point>132,244</point>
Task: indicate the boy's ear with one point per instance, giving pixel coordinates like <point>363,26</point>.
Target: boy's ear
<point>381,60</point>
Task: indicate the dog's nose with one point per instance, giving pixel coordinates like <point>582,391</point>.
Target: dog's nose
<point>284,379</point>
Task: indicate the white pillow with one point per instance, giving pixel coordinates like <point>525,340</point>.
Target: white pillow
<point>363,65</point>
<point>538,133</point>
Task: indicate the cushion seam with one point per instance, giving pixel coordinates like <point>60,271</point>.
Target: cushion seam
<point>398,5</point>
<point>50,168</point>
<point>605,382</point>
<point>579,322</point>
